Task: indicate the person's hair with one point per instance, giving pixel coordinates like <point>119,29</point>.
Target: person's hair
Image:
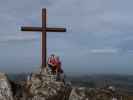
<point>52,55</point>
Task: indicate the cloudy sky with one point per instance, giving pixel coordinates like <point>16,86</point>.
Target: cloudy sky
<point>99,35</point>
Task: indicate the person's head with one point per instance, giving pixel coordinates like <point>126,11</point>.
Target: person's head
<point>52,55</point>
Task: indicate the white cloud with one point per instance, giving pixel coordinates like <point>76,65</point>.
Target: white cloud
<point>104,51</point>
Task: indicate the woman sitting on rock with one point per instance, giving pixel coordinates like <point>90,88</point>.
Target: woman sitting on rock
<point>54,64</point>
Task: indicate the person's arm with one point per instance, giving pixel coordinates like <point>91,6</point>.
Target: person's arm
<point>57,67</point>
<point>49,61</point>
<point>60,64</point>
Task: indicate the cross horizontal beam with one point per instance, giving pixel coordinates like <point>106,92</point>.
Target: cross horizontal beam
<point>56,29</point>
<point>40,29</point>
<point>31,28</point>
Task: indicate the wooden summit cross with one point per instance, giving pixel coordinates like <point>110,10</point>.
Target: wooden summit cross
<point>43,29</point>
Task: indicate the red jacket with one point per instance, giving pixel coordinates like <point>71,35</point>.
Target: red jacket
<point>55,62</point>
<point>52,61</point>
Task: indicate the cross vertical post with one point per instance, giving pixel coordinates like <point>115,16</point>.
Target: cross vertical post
<point>44,38</point>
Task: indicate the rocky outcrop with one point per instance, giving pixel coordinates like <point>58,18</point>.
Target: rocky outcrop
<point>78,94</point>
<point>39,87</point>
<point>5,88</point>
<point>45,87</point>
<point>84,93</point>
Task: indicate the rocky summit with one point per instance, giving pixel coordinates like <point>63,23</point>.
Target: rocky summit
<point>44,86</point>
<point>40,86</point>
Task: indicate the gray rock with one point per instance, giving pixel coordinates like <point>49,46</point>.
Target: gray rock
<point>78,94</point>
<point>84,93</point>
<point>5,88</point>
<point>40,86</point>
<point>45,87</point>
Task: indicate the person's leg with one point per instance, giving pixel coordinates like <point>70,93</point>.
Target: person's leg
<point>64,77</point>
<point>51,68</point>
<point>54,69</point>
<point>58,76</point>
